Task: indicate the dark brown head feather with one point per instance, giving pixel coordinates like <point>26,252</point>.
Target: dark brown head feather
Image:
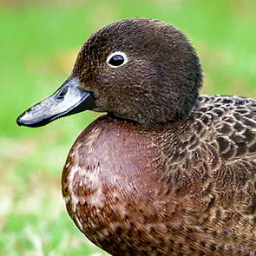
<point>158,84</point>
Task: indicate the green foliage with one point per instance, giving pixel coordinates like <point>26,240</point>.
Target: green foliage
<point>37,47</point>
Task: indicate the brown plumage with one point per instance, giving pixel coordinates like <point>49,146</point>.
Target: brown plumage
<point>164,172</point>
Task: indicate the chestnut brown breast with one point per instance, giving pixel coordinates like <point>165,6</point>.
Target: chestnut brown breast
<point>109,178</point>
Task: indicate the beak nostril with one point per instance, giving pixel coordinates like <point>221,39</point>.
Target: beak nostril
<point>61,94</point>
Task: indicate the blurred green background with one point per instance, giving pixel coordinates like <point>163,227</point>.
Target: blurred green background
<point>38,44</point>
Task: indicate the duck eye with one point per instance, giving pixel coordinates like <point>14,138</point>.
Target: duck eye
<point>116,59</point>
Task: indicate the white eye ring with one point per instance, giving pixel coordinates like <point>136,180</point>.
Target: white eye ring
<point>121,59</point>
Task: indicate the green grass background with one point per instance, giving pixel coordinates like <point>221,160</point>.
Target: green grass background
<point>38,44</point>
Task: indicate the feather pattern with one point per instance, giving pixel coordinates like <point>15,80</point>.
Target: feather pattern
<point>186,188</point>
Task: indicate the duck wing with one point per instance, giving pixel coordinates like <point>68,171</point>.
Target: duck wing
<point>211,163</point>
<point>234,122</point>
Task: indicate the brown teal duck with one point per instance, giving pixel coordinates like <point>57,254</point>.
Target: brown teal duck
<point>165,171</point>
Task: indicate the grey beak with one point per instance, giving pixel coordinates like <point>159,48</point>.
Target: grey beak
<point>67,100</point>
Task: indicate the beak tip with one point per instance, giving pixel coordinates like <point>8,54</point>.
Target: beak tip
<point>19,121</point>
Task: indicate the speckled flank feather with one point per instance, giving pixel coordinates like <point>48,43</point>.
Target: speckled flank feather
<point>185,189</point>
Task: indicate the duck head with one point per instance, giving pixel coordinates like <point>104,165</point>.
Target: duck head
<point>142,70</point>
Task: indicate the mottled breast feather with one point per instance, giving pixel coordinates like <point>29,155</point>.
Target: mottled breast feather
<point>186,188</point>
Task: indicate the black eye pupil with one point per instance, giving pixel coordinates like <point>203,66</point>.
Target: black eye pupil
<point>116,60</point>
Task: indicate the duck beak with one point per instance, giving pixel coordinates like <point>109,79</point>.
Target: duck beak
<point>67,100</point>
